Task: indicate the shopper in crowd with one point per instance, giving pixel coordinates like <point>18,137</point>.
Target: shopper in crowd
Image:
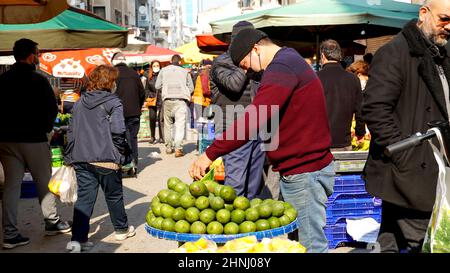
<point>231,86</point>
<point>291,89</point>
<point>154,104</point>
<point>177,87</point>
<point>408,87</point>
<point>97,148</point>
<point>131,91</point>
<point>26,96</point>
<point>202,91</point>
<point>361,70</point>
<point>343,97</point>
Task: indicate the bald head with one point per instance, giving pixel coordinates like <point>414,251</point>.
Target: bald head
<point>436,3</point>
<point>434,21</point>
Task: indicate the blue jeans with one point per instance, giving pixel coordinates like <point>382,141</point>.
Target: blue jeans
<point>243,169</point>
<point>308,193</point>
<point>89,177</point>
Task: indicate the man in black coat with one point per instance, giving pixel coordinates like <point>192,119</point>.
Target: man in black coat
<point>232,87</point>
<point>408,87</point>
<point>343,97</point>
<point>131,91</point>
<point>27,114</point>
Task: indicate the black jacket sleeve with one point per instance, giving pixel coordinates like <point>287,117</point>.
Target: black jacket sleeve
<point>381,95</point>
<point>150,88</point>
<point>51,106</point>
<point>228,77</point>
<point>141,91</point>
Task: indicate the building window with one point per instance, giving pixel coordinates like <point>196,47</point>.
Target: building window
<point>100,11</point>
<point>165,15</point>
<point>245,3</point>
<point>118,17</point>
<point>126,20</point>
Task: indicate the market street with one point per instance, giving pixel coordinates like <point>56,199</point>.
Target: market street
<point>137,194</point>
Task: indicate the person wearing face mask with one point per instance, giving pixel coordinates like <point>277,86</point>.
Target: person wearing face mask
<point>154,103</point>
<point>291,98</point>
<point>96,149</point>
<point>408,87</point>
<point>27,96</point>
<point>130,90</point>
<point>231,86</point>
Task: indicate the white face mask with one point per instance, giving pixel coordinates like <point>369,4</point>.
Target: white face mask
<point>156,69</point>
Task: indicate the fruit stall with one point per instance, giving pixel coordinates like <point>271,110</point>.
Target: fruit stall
<point>211,211</point>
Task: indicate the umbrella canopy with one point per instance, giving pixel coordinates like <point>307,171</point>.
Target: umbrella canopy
<point>151,53</point>
<point>191,53</point>
<point>209,44</point>
<point>75,63</point>
<point>73,28</point>
<point>30,11</point>
<point>311,20</point>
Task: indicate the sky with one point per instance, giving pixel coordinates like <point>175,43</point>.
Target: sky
<point>209,4</point>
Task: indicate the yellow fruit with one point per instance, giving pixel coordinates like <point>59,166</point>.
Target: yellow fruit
<point>191,247</point>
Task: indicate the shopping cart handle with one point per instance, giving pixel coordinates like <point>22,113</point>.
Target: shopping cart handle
<point>407,143</point>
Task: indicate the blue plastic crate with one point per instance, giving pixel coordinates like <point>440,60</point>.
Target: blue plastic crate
<point>28,189</point>
<point>347,195</point>
<point>349,204</point>
<point>337,235</point>
<point>349,183</point>
<point>339,216</point>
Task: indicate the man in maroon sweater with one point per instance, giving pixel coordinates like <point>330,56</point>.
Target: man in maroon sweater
<point>291,96</point>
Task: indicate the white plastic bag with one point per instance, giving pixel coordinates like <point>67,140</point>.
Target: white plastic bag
<point>437,238</point>
<point>64,184</point>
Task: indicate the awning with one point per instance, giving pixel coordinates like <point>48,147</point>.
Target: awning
<point>151,53</point>
<point>191,53</point>
<point>72,29</point>
<point>209,44</point>
<point>331,19</point>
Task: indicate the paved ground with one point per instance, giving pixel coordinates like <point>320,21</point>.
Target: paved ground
<point>137,194</point>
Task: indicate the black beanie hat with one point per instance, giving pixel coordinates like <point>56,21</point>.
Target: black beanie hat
<point>244,42</point>
<point>241,25</point>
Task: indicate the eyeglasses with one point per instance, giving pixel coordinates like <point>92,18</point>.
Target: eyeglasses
<point>443,19</point>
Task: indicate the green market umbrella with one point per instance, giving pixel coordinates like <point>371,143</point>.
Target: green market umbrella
<point>73,28</point>
<point>311,21</point>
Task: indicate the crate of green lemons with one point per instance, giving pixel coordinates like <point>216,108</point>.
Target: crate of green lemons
<point>207,207</point>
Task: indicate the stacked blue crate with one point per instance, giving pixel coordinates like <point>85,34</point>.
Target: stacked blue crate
<point>349,200</point>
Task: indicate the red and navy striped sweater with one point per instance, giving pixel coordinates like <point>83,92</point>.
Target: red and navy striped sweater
<point>290,84</point>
